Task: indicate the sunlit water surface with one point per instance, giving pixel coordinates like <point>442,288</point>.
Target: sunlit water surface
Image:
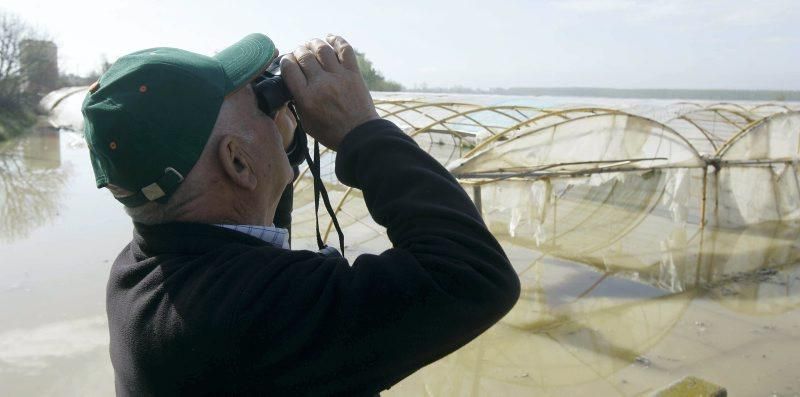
<point>722,305</point>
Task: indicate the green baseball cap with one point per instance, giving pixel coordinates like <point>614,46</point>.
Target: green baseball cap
<point>149,116</point>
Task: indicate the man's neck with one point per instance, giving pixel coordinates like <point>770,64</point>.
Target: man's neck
<point>225,212</point>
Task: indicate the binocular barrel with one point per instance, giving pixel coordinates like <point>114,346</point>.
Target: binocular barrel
<point>272,93</point>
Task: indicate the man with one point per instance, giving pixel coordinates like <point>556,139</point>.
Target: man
<point>207,300</point>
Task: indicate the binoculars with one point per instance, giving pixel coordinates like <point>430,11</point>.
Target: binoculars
<point>272,94</point>
<point>270,89</point>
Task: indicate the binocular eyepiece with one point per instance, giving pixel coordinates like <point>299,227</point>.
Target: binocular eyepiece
<point>271,92</point>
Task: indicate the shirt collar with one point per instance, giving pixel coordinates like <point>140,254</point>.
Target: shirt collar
<point>274,236</point>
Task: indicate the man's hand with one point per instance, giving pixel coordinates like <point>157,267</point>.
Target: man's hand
<point>327,87</point>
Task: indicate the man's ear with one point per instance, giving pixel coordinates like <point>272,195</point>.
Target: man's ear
<point>236,163</point>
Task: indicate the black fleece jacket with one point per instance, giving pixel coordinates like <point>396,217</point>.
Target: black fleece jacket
<point>197,309</point>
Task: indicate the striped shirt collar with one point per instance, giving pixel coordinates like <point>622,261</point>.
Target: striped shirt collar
<point>274,236</point>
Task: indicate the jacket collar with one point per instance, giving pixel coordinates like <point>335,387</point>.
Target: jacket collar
<point>186,238</point>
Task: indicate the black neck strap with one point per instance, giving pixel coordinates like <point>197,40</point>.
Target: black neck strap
<point>319,188</point>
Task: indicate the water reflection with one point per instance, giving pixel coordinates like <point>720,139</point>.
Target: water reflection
<point>30,351</point>
<point>58,235</point>
<point>75,347</point>
<point>598,329</point>
<point>31,182</point>
<point>623,292</point>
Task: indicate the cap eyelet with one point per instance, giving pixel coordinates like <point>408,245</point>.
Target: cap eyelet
<point>142,88</point>
<point>113,145</point>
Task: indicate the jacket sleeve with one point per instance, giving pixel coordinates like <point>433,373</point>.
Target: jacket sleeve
<point>319,321</point>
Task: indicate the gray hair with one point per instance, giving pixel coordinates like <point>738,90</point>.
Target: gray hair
<point>153,212</point>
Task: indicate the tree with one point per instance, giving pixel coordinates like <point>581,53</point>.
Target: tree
<point>12,32</point>
<point>14,35</point>
<point>374,79</point>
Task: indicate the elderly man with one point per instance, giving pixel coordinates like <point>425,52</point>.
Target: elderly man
<point>208,299</point>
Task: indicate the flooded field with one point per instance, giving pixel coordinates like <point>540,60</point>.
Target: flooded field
<point>58,237</point>
<point>626,287</point>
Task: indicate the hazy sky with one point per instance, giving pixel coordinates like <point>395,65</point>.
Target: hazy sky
<point>596,43</point>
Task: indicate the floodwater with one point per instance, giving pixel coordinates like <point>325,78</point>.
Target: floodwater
<point>58,237</point>
<point>719,304</point>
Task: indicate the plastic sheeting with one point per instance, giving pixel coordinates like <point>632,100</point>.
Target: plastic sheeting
<point>597,185</point>
<point>596,143</point>
<point>758,173</point>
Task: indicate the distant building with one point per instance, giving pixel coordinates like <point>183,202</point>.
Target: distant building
<point>39,65</point>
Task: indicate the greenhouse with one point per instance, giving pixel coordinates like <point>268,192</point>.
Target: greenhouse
<point>588,183</point>
<point>669,204</point>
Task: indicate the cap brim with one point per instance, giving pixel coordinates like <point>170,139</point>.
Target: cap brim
<point>246,59</point>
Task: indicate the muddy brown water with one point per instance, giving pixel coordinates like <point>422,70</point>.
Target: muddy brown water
<point>727,311</point>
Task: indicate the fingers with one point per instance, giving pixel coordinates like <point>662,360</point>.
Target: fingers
<point>308,62</point>
<point>346,54</point>
<point>325,55</point>
<point>292,74</point>
<point>314,59</point>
